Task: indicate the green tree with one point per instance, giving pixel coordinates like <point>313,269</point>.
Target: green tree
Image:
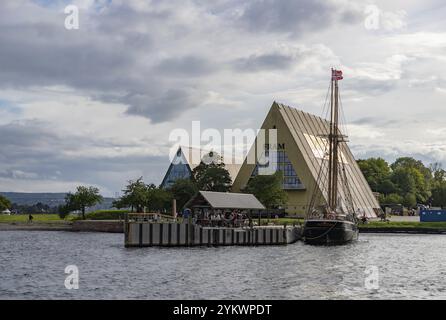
<point>159,199</point>
<point>417,174</point>
<point>377,173</point>
<point>4,203</point>
<point>438,173</point>
<point>409,162</point>
<point>268,189</point>
<point>405,180</point>
<point>135,196</point>
<point>83,198</point>
<point>387,187</point>
<point>409,200</point>
<point>438,186</point>
<point>392,198</point>
<point>410,180</point>
<point>211,175</point>
<point>183,190</point>
<point>140,196</point>
<point>63,211</point>
<point>439,195</point>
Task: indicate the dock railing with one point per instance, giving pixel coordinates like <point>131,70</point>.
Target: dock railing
<point>149,217</point>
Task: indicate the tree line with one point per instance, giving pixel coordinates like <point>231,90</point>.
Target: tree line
<point>207,176</point>
<point>34,208</point>
<point>406,181</point>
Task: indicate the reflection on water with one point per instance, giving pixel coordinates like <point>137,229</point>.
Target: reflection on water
<point>33,263</point>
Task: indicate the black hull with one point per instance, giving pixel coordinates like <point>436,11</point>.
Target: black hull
<point>329,232</point>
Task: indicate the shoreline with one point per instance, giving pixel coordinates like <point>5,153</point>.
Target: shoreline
<point>115,226</point>
<point>402,230</point>
<point>36,226</point>
<point>107,226</point>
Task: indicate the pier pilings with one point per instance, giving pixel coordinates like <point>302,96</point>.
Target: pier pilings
<point>146,234</point>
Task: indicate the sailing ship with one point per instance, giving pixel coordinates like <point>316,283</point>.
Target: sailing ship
<point>331,217</point>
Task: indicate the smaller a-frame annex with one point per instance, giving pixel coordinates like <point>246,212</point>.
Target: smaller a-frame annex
<point>185,160</point>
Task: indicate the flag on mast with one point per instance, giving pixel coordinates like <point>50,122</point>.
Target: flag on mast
<point>336,75</point>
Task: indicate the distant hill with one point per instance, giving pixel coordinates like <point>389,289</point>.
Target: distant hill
<point>51,199</point>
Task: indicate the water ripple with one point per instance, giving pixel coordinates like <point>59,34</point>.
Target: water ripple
<point>33,264</point>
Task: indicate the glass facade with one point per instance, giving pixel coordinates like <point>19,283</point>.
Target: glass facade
<point>177,171</point>
<point>278,161</point>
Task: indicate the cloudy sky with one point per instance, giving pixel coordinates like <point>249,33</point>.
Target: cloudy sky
<point>96,105</point>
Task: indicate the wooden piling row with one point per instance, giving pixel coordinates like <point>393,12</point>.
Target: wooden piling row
<point>146,234</point>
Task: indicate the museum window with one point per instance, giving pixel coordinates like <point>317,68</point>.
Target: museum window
<point>282,163</point>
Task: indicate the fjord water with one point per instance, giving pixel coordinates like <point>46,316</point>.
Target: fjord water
<point>32,266</point>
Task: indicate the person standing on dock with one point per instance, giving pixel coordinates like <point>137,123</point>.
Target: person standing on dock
<point>186,213</point>
<point>218,219</point>
<point>233,217</point>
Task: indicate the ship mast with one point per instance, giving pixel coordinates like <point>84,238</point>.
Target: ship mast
<point>333,140</point>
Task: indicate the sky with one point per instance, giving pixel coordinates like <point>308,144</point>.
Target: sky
<point>96,105</point>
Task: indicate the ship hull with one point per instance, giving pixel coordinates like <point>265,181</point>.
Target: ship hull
<point>329,232</point>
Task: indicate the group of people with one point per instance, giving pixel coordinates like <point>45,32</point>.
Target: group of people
<point>216,219</point>
<point>220,218</point>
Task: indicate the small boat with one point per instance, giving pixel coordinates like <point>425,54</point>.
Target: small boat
<point>331,218</point>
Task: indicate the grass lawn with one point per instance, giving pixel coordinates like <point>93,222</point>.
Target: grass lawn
<point>54,218</point>
<point>403,224</point>
<point>370,224</point>
<point>280,221</point>
<point>109,214</point>
<point>37,218</point>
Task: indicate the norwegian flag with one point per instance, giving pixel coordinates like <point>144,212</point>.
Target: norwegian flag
<point>336,75</point>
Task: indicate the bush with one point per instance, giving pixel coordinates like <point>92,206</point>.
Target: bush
<point>106,214</point>
<point>63,211</point>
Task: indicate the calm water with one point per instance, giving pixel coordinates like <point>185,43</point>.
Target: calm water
<point>32,266</point>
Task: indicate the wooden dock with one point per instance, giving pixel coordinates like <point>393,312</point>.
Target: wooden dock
<point>149,233</point>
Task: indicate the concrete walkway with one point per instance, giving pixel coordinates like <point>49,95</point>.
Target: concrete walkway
<point>405,218</point>
<point>400,219</point>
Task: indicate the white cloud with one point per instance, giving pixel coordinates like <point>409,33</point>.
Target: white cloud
<point>393,20</point>
<point>102,100</point>
<point>390,69</point>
